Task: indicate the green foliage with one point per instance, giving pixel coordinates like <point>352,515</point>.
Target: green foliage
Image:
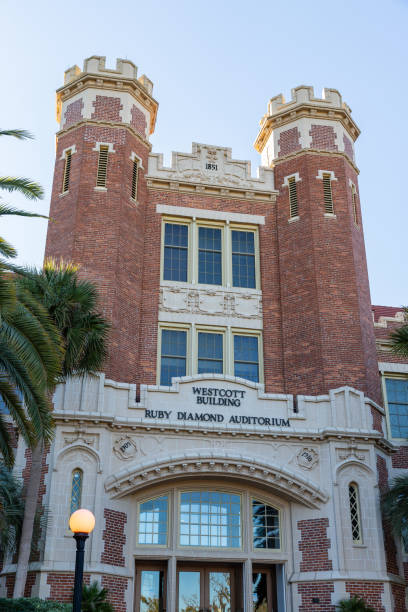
<point>394,503</point>
<point>399,338</point>
<point>94,599</point>
<point>355,604</point>
<point>11,509</point>
<point>32,604</point>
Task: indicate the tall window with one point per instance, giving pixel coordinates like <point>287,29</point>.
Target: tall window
<point>354,204</point>
<point>135,173</point>
<point>293,198</point>
<point>76,490</point>
<point>397,401</point>
<point>243,259</point>
<point>265,525</point>
<point>210,518</point>
<point>327,194</point>
<point>246,357</point>
<point>210,353</point>
<point>173,354</point>
<point>102,166</point>
<point>67,171</point>
<point>209,256</point>
<point>355,513</point>
<point>175,252</point>
<point>153,521</point>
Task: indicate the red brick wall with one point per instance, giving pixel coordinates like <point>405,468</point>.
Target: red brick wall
<point>73,113</point>
<point>323,137</point>
<point>369,591</point>
<point>323,285</point>
<point>400,458</point>
<point>377,419</point>
<point>103,232</point>
<point>138,120</point>
<point>389,543</point>
<point>30,581</point>
<point>62,585</point>
<point>348,147</point>
<point>289,142</point>
<point>116,586</point>
<point>316,590</point>
<point>314,545</point>
<point>398,594</point>
<point>10,580</point>
<point>114,537</point>
<point>107,108</point>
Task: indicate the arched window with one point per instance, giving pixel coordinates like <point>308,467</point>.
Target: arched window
<point>355,516</point>
<point>76,490</point>
<point>265,526</point>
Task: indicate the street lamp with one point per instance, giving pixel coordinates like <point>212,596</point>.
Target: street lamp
<point>81,523</point>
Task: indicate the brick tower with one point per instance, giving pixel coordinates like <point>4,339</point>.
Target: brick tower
<point>327,330</point>
<point>99,192</point>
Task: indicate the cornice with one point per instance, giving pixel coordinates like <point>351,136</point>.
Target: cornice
<point>217,191</point>
<point>309,151</point>
<point>305,110</point>
<point>104,123</point>
<point>109,83</point>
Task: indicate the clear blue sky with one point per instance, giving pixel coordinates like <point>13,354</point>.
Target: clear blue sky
<point>214,66</point>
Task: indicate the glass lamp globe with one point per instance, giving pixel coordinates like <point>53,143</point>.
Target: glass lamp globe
<point>82,521</point>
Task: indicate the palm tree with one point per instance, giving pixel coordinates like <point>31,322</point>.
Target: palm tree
<point>11,509</point>
<point>395,507</point>
<point>94,599</point>
<point>399,337</point>
<point>71,303</point>
<point>355,604</point>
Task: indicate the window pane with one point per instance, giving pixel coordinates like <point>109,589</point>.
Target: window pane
<point>243,259</point>
<point>173,355</point>
<point>397,396</point>
<point>210,353</point>
<point>175,252</point>
<point>264,535</point>
<point>151,590</point>
<point>76,491</point>
<point>246,361</point>
<point>215,523</point>
<point>209,256</point>
<point>153,522</point>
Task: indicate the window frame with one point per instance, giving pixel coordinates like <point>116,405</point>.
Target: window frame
<point>144,500</point>
<point>397,376</point>
<point>360,541</point>
<point>250,523</point>
<point>214,489</point>
<point>228,347</point>
<point>66,176</point>
<point>81,471</point>
<point>226,228</point>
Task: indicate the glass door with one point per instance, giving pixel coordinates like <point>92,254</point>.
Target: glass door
<point>206,589</point>
<point>264,596</point>
<point>150,587</point>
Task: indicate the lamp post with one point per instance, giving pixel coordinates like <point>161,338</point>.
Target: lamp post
<point>81,523</point>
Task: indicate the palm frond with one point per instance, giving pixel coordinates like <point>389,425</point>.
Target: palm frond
<point>11,509</point>
<point>30,189</point>
<point>394,504</point>
<point>6,250</point>
<point>6,209</point>
<point>19,134</point>
<point>399,340</point>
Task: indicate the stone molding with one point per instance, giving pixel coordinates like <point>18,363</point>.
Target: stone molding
<point>320,152</point>
<point>104,123</point>
<point>206,464</point>
<point>399,317</point>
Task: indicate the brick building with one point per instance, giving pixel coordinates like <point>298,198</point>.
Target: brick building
<point>234,448</point>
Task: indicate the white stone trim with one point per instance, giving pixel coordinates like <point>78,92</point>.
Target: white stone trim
<point>321,172</point>
<point>134,157</point>
<point>351,184</point>
<point>215,215</point>
<point>397,368</point>
<point>73,150</point>
<point>286,179</point>
<point>104,144</point>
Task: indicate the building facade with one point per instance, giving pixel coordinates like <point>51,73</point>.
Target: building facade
<point>235,446</point>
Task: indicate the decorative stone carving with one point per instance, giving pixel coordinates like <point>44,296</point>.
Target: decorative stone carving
<point>352,451</point>
<point>125,448</point>
<point>80,435</point>
<point>216,302</point>
<point>307,458</point>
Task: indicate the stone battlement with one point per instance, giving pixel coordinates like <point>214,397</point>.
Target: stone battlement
<point>304,94</point>
<point>96,64</point>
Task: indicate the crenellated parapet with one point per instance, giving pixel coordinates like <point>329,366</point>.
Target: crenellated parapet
<point>211,170</point>
<point>306,122</point>
<point>100,94</point>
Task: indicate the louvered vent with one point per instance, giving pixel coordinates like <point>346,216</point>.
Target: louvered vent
<point>102,166</point>
<point>67,171</point>
<point>327,192</point>
<point>355,513</point>
<point>293,199</point>
<point>134,179</point>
